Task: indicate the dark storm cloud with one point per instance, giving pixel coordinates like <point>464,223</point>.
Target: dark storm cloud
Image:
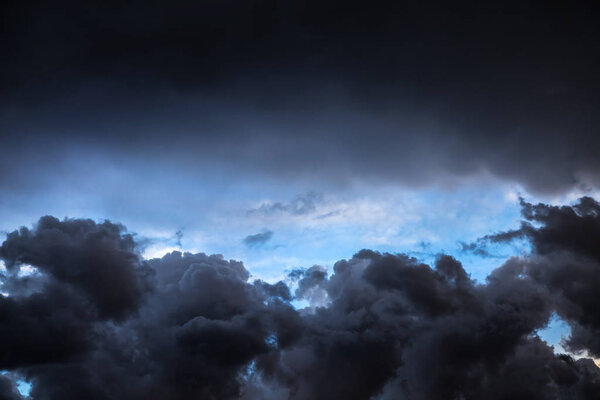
<point>566,243</point>
<point>94,259</point>
<point>103,324</point>
<point>311,284</point>
<point>408,92</point>
<point>83,316</point>
<point>8,390</point>
<point>258,239</point>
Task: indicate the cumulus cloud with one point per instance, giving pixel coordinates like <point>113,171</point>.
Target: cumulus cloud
<point>102,323</point>
<point>566,260</point>
<point>98,321</point>
<point>322,95</point>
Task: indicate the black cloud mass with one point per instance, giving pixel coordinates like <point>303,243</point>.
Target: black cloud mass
<point>351,90</point>
<point>82,315</point>
<point>145,111</point>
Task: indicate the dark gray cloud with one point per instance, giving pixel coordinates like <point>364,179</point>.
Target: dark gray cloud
<point>258,239</point>
<point>566,246</point>
<point>299,92</point>
<point>408,92</point>
<point>94,320</point>
<point>479,248</point>
<point>94,259</point>
<point>195,324</point>
<point>8,389</point>
<point>311,285</point>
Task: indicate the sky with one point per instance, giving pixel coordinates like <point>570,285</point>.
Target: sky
<point>254,191</point>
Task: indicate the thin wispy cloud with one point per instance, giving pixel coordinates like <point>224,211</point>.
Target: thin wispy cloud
<point>301,205</point>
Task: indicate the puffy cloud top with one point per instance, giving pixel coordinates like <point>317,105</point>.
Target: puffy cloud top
<point>91,319</point>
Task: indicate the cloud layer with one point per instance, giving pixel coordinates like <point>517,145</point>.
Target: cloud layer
<point>84,316</point>
<point>416,93</point>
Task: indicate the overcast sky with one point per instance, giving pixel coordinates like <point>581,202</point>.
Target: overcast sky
<point>293,134</point>
<point>189,115</point>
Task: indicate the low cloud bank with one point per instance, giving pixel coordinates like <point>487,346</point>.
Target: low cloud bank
<point>83,315</point>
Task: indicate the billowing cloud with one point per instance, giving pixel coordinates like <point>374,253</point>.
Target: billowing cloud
<point>89,318</point>
<point>98,322</point>
<point>211,107</point>
<point>566,260</point>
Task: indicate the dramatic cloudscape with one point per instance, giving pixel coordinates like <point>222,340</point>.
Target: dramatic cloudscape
<point>299,200</point>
